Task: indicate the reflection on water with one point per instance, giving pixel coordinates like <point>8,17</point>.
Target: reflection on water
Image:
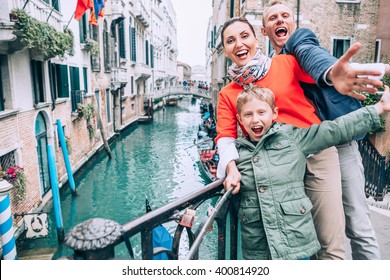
<point>156,159</point>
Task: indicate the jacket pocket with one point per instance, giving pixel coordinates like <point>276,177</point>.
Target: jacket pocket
<point>253,239</point>
<point>297,223</point>
<point>279,151</point>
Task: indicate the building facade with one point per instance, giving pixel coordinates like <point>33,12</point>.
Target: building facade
<point>95,88</point>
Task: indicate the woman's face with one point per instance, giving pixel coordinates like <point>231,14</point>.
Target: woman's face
<point>240,44</point>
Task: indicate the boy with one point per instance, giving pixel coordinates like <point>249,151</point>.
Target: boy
<point>275,212</point>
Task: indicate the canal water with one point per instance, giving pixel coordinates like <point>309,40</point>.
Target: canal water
<point>157,160</point>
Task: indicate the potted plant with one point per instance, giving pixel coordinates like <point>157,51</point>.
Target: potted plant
<point>92,46</point>
<point>87,112</point>
<point>15,175</point>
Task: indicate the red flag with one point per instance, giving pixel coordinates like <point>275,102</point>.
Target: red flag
<point>81,8</point>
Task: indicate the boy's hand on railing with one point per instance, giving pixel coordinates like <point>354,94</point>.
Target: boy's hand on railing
<point>232,178</point>
<point>384,103</point>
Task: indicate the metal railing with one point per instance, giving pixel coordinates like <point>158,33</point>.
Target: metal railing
<point>144,225</point>
<point>376,170</point>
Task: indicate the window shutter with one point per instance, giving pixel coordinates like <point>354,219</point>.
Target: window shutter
<point>122,46</point>
<point>147,52</point>
<point>133,45</point>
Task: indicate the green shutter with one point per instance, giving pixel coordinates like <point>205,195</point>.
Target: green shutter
<point>122,46</point>
<point>151,56</point>
<point>133,45</point>
<point>63,85</point>
<point>147,52</point>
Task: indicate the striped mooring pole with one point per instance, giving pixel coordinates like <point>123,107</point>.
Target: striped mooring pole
<point>6,227</point>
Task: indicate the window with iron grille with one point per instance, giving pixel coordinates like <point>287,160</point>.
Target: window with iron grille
<point>7,160</point>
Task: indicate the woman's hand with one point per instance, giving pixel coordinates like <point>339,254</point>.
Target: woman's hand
<point>233,177</point>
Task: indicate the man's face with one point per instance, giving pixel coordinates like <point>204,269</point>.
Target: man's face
<point>279,24</point>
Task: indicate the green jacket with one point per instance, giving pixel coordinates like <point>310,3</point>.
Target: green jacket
<point>275,216</point>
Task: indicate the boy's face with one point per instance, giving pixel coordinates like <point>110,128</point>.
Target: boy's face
<point>256,117</point>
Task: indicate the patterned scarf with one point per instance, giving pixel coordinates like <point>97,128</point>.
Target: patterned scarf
<point>253,71</point>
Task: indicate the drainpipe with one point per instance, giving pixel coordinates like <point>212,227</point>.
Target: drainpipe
<point>298,11</point>
<point>6,228</point>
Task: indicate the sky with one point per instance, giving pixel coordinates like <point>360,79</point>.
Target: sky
<point>192,17</point>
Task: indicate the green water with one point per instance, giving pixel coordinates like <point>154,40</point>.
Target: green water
<point>155,159</point>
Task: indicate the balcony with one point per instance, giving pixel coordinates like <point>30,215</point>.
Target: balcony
<point>141,14</point>
<point>142,71</point>
<point>117,8</point>
<point>40,11</point>
<point>118,77</point>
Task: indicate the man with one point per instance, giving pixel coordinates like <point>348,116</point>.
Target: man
<point>280,27</point>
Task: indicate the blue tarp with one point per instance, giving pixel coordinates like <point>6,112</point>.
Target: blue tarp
<point>162,238</point>
<point>206,115</point>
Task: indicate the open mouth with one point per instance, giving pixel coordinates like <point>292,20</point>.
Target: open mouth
<point>281,32</point>
<point>242,53</point>
<point>257,129</point>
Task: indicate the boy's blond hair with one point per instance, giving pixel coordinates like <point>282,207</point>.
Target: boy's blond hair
<point>263,94</point>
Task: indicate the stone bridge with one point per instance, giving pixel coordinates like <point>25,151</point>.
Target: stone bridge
<point>180,90</point>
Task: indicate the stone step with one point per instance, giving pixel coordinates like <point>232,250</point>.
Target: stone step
<point>37,254</point>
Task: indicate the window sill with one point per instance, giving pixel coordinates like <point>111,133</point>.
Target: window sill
<point>6,113</point>
<point>61,100</point>
<point>348,1</point>
<point>42,105</point>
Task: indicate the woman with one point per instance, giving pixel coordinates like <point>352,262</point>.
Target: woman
<point>282,75</point>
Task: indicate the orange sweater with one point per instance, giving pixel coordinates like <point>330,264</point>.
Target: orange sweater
<point>283,79</point>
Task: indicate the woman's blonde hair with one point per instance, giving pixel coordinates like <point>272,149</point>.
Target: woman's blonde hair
<point>263,94</point>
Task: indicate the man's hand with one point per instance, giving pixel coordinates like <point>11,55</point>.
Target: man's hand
<point>233,177</point>
<point>384,104</point>
<point>347,80</point>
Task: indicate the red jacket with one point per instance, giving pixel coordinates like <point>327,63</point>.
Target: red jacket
<point>283,79</point>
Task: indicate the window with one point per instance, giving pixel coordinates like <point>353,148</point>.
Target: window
<point>340,46</point>
<point>151,56</point>
<point>53,3</point>
<point>95,60</point>
<point>122,46</point>
<point>378,44</point>
<point>59,84</point>
<point>83,28</point>
<point>133,45</point>
<point>38,81</point>
<point>85,78</point>
<point>147,52</point>
<point>75,87</point>
<point>7,160</point>
<point>132,84</point>
<point>106,48</point>
<point>108,105</point>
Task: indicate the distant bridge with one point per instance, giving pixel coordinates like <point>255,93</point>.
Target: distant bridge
<point>180,90</point>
